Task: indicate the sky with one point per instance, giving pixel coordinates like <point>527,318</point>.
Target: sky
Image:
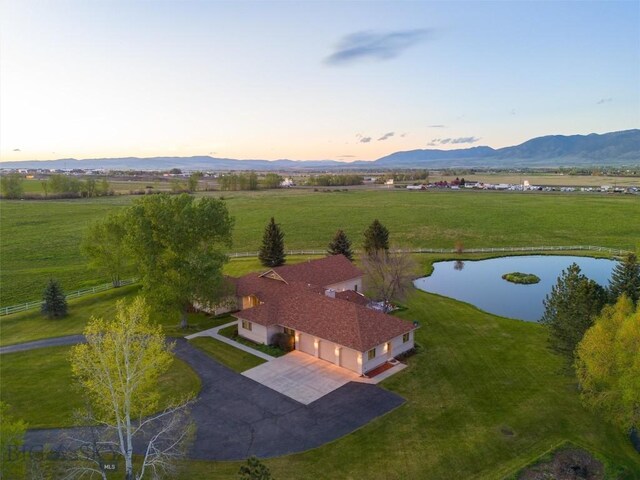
<point>309,79</point>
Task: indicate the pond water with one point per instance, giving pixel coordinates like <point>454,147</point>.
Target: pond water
<point>480,282</point>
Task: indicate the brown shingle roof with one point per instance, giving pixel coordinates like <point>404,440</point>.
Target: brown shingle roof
<point>322,272</point>
<point>355,297</point>
<point>340,321</point>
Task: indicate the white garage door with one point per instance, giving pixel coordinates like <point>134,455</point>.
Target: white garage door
<point>349,359</point>
<point>327,351</point>
<point>305,344</point>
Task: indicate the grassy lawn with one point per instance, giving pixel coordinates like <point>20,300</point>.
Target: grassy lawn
<point>31,325</point>
<point>39,386</point>
<point>309,220</point>
<point>233,358</point>
<point>484,397</point>
<point>231,332</point>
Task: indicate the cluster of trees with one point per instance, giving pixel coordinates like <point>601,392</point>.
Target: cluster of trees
<point>238,181</point>
<point>335,180</point>
<point>12,187</point>
<point>598,330</point>
<point>65,184</point>
<point>191,184</point>
<point>175,244</point>
<point>407,176</point>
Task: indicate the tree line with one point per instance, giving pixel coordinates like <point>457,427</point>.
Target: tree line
<point>58,186</point>
<point>248,181</point>
<point>335,180</point>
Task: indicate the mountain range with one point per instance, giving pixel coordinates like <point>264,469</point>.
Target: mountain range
<point>609,149</point>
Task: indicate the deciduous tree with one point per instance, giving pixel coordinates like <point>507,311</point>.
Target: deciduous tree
<point>376,238</point>
<point>272,250</point>
<point>54,301</point>
<point>570,308</point>
<point>178,248</point>
<point>104,245</point>
<point>388,276</point>
<point>12,432</point>
<point>194,178</point>
<point>340,245</point>
<point>118,370</point>
<point>608,364</point>
<point>12,185</point>
<point>625,279</point>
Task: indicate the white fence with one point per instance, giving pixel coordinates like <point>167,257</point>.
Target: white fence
<point>21,307</point>
<point>107,286</point>
<point>610,251</point>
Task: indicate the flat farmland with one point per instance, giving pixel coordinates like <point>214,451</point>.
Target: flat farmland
<point>40,239</point>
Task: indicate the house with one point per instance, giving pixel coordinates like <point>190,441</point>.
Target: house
<point>320,304</point>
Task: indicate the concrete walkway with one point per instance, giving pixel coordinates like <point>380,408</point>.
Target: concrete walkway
<point>47,342</point>
<point>213,333</point>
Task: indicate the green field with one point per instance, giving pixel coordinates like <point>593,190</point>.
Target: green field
<point>39,386</point>
<point>40,239</point>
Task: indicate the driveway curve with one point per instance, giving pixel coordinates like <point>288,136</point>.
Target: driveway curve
<point>237,417</point>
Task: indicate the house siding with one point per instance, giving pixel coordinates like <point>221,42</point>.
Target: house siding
<point>258,333</point>
<point>353,284</point>
<point>397,347</point>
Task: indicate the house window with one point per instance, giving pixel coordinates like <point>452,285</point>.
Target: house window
<point>289,331</point>
<point>405,337</point>
<point>247,325</point>
<point>371,354</point>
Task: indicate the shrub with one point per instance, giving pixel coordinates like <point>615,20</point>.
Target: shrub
<point>283,341</point>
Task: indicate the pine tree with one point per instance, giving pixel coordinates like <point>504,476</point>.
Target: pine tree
<point>376,238</point>
<point>340,245</point>
<point>625,278</point>
<point>272,249</point>
<point>54,301</point>
<point>570,308</point>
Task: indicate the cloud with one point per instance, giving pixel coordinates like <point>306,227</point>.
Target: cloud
<point>386,135</point>
<point>604,100</point>
<point>403,135</point>
<point>452,141</point>
<point>512,111</point>
<point>365,139</point>
<point>375,45</point>
<point>17,150</point>
<point>437,126</point>
<point>346,156</point>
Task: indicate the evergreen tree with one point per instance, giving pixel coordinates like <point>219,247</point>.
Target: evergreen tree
<point>570,308</point>
<point>625,278</point>
<point>272,249</point>
<point>54,302</point>
<point>340,245</point>
<point>376,238</point>
<point>254,470</point>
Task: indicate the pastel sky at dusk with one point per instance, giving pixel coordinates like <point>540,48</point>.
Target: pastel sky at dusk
<point>309,80</point>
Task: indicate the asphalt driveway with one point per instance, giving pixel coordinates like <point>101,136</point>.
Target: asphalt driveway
<point>237,417</point>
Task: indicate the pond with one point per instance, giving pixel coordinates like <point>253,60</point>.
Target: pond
<point>480,282</point>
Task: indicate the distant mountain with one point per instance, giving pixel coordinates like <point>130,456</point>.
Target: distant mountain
<point>611,149</point>
<point>615,148</point>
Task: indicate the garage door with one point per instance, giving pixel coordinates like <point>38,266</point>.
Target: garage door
<point>305,344</point>
<point>349,359</point>
<point>327,351</point>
